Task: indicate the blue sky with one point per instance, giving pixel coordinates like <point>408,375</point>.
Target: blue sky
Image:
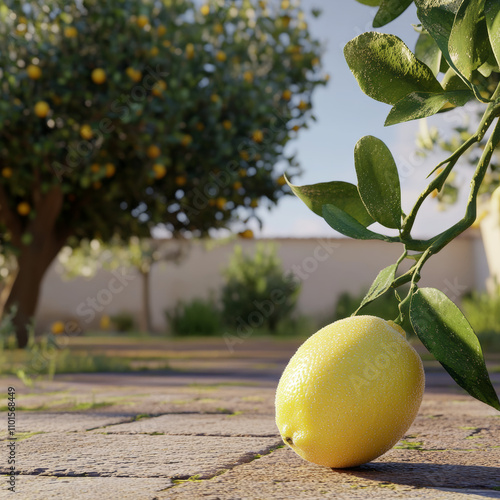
<point>345,114</point>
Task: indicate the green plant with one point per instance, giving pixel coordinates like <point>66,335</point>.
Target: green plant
<point>483,312</point>
<point>124,322</point>
<point>459,40</point>
<point>257,291</point>
<point>124,115</point>
<point>196,317</point>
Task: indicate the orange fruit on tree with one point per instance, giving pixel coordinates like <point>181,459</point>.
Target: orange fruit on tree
<point>98,76</point>
<point>23,208</point>
<point>153,151</point>
<point>257,135</point>
<point>86,132</point>
<point>158,88</point>
<point>34,72</point>
<point>7,172</point>
<point>41,109</point>
<point>142,21</point>
<point>110,170</point>
<point>70,32</point>
<point>159,170</point>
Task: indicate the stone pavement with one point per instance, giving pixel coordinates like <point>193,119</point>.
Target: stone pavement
<point>175,435</point>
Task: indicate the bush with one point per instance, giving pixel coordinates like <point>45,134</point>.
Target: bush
<point>124,322</point>
<point>257,290</point>
<point>197,317</point>
<point>385,307</point>
<point>482,309</point>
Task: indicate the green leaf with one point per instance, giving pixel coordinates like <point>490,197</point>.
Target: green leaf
<point>437,17</point>
<point>371,3</point>
<point>492,12</point>
<point>390,10</point>
<point>447,334</point>
<point>349,226</point>
<point>422,104</point>
<point>469,44</point>
<point>382,283</point>
<point>428,52</point>
<point>386,69</point>
<point>378,181</point>
<point>341,194</point>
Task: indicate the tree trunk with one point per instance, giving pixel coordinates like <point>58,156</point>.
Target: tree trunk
<point>33,261</point>
<point>35,257</point>
<point>145,317</point>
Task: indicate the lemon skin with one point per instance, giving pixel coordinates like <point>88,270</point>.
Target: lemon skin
<point>350,392</point>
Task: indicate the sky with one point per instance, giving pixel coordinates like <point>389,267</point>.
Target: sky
<point>344,115</point>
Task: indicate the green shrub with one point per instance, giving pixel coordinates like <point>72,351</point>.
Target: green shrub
<point>482,309</point>
<point>385,307</point>
<point>197,317</point>
<point>124,322</point>
<point>258,292</point>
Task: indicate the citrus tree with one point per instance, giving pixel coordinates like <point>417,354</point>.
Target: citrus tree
<point>457,46</point>
<point>120,116</point>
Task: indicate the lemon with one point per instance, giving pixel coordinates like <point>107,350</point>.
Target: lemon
<point>153,151</point>
<point>98,76</point>
<point>23,208</point>
<point>350,392</point>
<point>41,109</point>
<point>34,72</point>
<point>57,328</point>
<point>86,132</point>
<point>159,170</point>
<point>70,32</point>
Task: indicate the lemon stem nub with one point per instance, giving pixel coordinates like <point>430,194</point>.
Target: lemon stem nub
<point>289,440</point>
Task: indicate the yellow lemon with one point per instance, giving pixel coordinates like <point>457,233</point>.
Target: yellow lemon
<point>287,95</point>
<point>220,203</point>
<point>34,72</point>
<point>70,32</point>
<point>159,170</point>
<point>133,74</point>
<point>57,328</point>
<point>237,185</point>
<point>227,124</point>
<point>302,105</point>
<point>7,172</point>
<point>180,180</point>
<point>161,30</point>
<point>41,109</point>
<point>246,234</point>
<point>248,76</point>
<point>186,140</point>
<point>254,203</point>
<point>158,88</point>
<point>110,169</point>
<point>189,51</point>
<point>86,132</point>
<point>221,56</point>
<point>205,10</point>
<point>153,151</point>
<point>98,76</point>
<point>258,136</point>
<point>281,180</point>
<point>350,392</point>
<point>142,21</point>
<point>23,208</point>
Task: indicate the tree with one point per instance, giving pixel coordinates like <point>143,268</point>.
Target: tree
<point>120,116</point>
<point>138,254</point>
<point>460,40</point>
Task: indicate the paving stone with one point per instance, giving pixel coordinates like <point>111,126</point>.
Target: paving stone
<point>64,422</point>
<point>199,425</point>
<point>89,488</point>
<point>398,474</point>
<point>139,455</point>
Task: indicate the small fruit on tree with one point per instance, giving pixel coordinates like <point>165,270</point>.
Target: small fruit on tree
<point>350,392</point>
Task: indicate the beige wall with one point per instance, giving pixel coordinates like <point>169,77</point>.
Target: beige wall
<point>326,267</point>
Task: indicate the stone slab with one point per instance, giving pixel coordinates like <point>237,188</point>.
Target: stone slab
<point>282,475</point>
<point>134,455</point>
<point>199,425</point>
<point>88,488</point>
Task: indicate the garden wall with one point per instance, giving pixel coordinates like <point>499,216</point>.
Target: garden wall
<point>326,268</point>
